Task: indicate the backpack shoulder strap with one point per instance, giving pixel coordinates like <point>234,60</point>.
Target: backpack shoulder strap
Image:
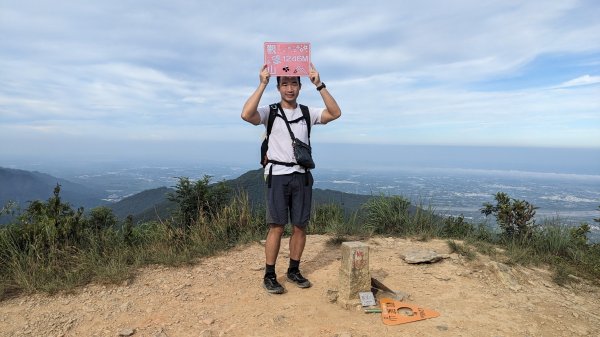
<point>275,108</point>
<point>271,120</point>
<point>306,115</point>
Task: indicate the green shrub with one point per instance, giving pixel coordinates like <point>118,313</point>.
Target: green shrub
<point>579,234</point>
<point>456,227</point>
<point>485,234</point>
<point>515,217</point>
<point>198,199</point>
<point>101,218</point>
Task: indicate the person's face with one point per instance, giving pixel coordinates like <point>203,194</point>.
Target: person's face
<point>289,88</point>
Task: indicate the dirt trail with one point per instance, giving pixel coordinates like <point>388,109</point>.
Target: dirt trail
<point>223,296</point>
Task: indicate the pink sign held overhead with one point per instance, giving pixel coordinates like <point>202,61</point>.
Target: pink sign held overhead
<point>287,58</point>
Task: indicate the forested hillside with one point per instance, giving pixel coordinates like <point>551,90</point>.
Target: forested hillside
<point>145,206</point>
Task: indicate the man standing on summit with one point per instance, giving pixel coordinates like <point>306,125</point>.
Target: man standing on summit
<point>289,194</point>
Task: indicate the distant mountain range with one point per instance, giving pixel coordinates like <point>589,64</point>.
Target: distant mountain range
<point>145,206</point>
<point>23,186</point>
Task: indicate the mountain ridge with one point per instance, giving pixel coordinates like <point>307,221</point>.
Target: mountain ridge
<point>22,187</point>
<point>250,182</point>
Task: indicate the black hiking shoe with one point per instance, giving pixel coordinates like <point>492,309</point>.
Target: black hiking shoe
<point>298,279</point>
<point>273,287</point>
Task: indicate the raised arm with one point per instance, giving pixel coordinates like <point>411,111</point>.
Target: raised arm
<point>332,110</point>
<point>249,112</point>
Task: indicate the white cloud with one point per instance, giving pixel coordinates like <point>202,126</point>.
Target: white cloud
<point>582,80</point>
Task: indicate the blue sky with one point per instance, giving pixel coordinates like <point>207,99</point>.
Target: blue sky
<point>94,76</point>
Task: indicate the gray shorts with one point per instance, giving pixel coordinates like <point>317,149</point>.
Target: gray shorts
<point>289,199</point>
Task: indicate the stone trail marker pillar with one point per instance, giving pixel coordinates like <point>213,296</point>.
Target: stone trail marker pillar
<point>354,274</point>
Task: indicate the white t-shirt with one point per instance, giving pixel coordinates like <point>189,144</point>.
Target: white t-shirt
<point>280,142</point>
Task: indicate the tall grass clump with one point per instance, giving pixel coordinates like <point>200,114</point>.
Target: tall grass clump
<point>234,223</point>
<point>394,215</point>
<point>331,219</point>
<point>387,215</point>
<point>424,223</point>
<point>560,247</point>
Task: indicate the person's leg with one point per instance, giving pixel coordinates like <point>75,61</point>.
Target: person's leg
<point>300,216</point>
<point>277,217</point>
<point>271,251</point>
<point>273,243</point>
<point>300,207</point>
<point>297,242</point>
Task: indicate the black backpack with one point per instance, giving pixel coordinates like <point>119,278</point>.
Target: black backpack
<point>265,144</point>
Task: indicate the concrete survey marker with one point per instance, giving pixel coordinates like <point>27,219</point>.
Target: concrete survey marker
<point>354,276</point>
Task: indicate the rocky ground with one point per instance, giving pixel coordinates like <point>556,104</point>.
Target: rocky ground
<point>223,296</point>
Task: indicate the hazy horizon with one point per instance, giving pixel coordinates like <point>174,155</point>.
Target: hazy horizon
<point>366,157</point>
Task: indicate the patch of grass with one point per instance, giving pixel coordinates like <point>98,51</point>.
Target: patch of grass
<point>336,241</point>
<point>562,275</point>
<point>483,247</point>
<point>394,215</point>
<point>519,254</point>
<point>462,250</point>
<point>423,237</point>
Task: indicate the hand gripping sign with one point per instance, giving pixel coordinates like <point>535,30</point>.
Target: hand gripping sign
<point>287,58</point>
